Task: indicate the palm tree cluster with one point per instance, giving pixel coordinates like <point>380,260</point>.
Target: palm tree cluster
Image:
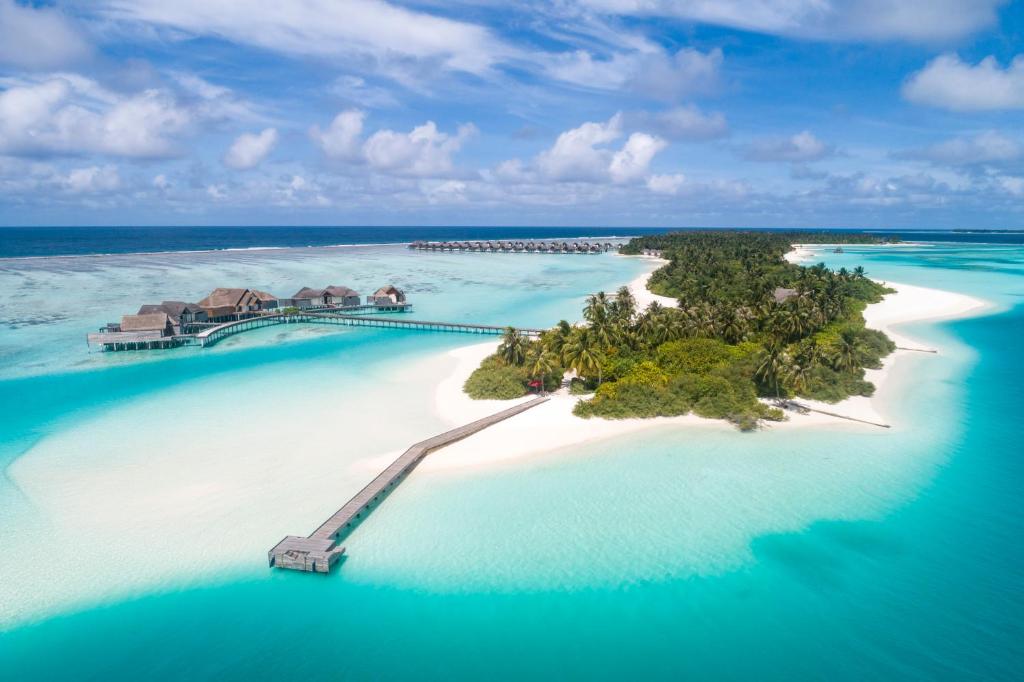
<point>792,329</point>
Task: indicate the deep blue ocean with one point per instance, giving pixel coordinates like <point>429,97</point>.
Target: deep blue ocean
<point>21,242</point>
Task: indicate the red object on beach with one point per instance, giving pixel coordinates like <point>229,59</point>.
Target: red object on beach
<point>534,384</point>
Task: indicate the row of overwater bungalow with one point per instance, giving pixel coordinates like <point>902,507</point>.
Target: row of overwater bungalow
<point>168,324</point>
<point>516,247</point>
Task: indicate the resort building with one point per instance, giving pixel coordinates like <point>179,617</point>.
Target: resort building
<point>147,326</point>
<point>386,295</point>
<point>181,314</point>
<point>342,296</point>
<point>333,295</point>
<point>226,304</point>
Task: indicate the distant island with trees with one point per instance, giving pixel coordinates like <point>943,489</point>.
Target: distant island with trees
<point>748,325</point>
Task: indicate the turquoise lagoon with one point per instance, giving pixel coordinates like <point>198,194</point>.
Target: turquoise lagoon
<point>141,494</point>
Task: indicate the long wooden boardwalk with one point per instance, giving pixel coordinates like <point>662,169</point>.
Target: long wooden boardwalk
<point>319,551</point>
<point>209,337</point>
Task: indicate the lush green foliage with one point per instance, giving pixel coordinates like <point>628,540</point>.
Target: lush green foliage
<point>507,374</point>
<point>748,324</point>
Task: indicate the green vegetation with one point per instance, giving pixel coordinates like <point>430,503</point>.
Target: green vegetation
<point>748,325</point>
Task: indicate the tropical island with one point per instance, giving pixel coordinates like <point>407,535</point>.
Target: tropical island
<point>748,325</point>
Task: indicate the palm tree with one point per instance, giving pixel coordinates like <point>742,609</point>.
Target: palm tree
<point>771,366</point>
<point>513,347</point>
<point>858,272</point>
<point>798,376</point>
<point>540,363</point>
<point>596,308</point>
<point>624,306</point>
<point>584,354</point>
<point>849,352</point>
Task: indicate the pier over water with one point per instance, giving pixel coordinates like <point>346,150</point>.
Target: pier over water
<point>319,551</point>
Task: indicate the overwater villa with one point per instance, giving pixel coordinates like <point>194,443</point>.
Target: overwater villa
<point>224,304</point>
<point>338,296</point>
<point>575,246</point>
<point>176,323</point>
<point>183,315</point>
<point>386,295</point>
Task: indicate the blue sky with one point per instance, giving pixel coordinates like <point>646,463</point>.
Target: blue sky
<point>833,113</point>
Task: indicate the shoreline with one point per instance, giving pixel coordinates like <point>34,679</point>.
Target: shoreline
<point>557,428</point>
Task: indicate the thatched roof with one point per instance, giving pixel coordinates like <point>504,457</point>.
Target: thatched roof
<point>223,298</point>
<point>174,309</point>
<point>150,322</point>
<point>306,292</point>
<point>263,295</point>
<point>782,294</point>
<point>388,290</point>
<point>335,290</point>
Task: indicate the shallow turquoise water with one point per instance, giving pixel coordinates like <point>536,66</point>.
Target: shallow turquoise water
<point>843,554</point>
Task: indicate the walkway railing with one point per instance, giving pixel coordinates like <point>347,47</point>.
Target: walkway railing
<point>209,337</point>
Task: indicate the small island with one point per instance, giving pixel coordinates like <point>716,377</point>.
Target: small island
<point>749,326</point>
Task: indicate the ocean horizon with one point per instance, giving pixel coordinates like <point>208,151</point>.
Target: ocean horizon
<point>43,241</point>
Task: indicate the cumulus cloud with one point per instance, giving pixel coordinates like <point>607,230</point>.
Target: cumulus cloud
<point>911,20</point>
<point>249,149</point>
<point>803,147</point>
<point>92,179</point>
<point>425,151</point>
<point>984,148</point>
<point>575,155</point>
<point>649,71</point>
<point>583,154</point>
<point>38,37</point>
<point>69,114</point>
<point>630,163</point>
<point>949,83</point>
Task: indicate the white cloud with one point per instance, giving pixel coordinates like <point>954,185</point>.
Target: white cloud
<point>357,91</point>
<point>800,148</point>
<point>986,147</point>
<point>1012,184</point>
<point>38,37</point>
<point>631,162</point>
<point>574,155</point>
<point>341,140</point>
<point>950,83</point>
<point>358,30</point>
<point>249,149</point>
<point>649,71</point>
<point>92,179</point>
<point>68,114</point>
<point>666,184</point>
<point>687,122</point>
<point>583,155</point>
<point>425,151</point>
<point>912,20</point>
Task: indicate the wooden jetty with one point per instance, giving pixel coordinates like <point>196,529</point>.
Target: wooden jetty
<point>209,337</point>
<point>319,551</point>
<point>531,246</point>
<point>804,409</point>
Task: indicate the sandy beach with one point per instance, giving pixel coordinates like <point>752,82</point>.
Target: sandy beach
<point>555,426</point>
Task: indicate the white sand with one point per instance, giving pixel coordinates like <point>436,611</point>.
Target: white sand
<point>552,426</point>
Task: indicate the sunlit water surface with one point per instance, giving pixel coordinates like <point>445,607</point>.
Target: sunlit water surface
<point>142,492</point>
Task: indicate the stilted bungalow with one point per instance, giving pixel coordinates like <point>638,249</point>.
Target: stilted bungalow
<point>224,304</point>
<point>386,295</point>
<point>182,315</point>
<point>341,296</point>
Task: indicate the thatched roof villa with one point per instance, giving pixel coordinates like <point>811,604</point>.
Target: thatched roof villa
<point>388,294</point>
